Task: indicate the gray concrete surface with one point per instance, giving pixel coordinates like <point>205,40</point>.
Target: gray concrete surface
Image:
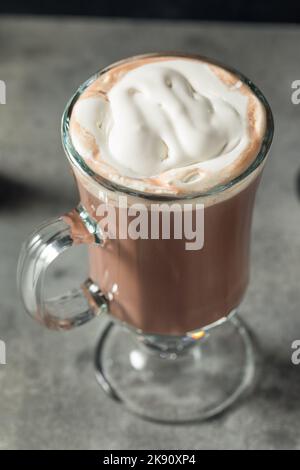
<point>49,397</point>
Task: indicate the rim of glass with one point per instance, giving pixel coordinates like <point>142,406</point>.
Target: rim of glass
<point>77,160</point>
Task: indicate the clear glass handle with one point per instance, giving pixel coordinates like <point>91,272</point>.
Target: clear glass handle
<point>50,240</point>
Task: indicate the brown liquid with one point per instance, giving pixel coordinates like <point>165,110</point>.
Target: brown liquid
<point>164,288</point>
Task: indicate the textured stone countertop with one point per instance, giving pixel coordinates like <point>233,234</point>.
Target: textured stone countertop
<point>49,396</point>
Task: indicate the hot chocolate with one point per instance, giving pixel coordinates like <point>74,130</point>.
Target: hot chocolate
<point>171,128</point>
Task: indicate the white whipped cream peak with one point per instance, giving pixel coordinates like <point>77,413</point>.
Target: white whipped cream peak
<point>173,124</point>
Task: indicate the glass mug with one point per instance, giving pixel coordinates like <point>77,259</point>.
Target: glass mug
<point>173,348</point>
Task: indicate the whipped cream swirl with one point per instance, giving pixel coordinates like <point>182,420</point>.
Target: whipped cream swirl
<point>169,126</point>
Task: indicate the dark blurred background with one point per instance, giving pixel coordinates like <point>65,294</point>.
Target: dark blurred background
<point>230,10</point>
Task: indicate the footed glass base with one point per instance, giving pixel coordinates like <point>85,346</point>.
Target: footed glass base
<point>176,379</point>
